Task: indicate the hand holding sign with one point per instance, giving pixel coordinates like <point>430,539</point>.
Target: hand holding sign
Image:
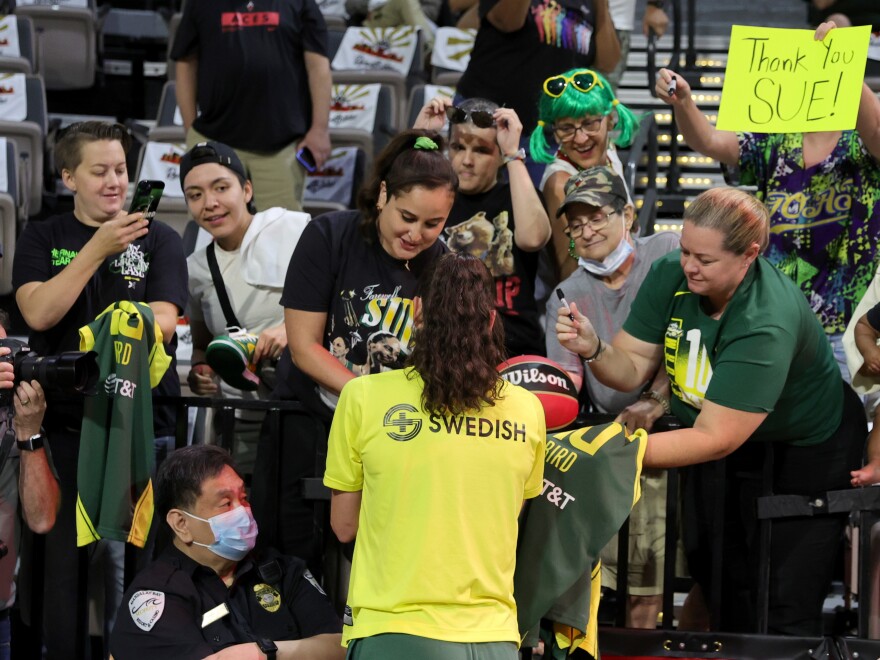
<point>787,81</point>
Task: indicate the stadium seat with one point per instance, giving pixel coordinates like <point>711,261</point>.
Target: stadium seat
<point>363,116</point>
<point>451,54</point>
<point>335,187</point>
<point>28,134</point>
<point>169,125</point>
<point>9,201</point>
<point>392,56</point>
<point>17,45</point>
<point>66,43</point>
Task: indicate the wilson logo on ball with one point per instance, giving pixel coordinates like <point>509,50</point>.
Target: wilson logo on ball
<point>549,382</point>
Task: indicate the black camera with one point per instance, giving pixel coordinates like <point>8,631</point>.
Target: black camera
<point>72,372</point>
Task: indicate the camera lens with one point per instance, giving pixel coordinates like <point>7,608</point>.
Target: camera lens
<point>73,372</point>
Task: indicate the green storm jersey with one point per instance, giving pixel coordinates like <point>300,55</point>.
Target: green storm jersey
<point>115,498</point>
<point>591,482</point>
<point>767,352</point>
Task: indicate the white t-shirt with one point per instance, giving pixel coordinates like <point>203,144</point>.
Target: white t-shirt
<point>623,13</point>
<point>256,306</point>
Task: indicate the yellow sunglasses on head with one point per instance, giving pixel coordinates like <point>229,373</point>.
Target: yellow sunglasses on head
<point>583,81</point>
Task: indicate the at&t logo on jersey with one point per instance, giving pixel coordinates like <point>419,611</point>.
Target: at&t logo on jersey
<point>120,386</point>
<point>402,426</point>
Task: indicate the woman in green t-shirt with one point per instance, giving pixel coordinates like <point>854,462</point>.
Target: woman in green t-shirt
<point>746,359</point>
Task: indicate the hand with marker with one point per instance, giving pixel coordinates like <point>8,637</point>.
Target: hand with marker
<point>671,88</point>
<point>575,332</point>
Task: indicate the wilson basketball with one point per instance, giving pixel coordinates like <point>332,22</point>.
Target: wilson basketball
<point>549,382</point>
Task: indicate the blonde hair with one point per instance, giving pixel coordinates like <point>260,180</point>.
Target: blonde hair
<point>739,216</point>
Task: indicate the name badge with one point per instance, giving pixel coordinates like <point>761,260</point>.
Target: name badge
<point>214,614</point>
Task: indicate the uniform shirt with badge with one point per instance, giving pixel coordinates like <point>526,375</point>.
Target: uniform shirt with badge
<point>181,608</point>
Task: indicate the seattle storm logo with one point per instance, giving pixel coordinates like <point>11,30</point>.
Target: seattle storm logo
<point>405,427</point>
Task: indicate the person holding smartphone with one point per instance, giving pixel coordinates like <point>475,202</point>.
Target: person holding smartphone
<point>68,269</point>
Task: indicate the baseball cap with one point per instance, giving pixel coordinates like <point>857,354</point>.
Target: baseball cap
<point>597,186</point>
<point>210,152</point>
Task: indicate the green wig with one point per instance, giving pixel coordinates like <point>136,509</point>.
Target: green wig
<point>599,100</point>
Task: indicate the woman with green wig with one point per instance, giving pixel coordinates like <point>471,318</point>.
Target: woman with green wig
<point>577,112</point>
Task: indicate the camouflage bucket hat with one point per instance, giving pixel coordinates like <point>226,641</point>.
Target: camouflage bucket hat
<point>596,186</point>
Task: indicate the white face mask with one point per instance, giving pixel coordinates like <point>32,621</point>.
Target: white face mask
<point>613,260</point>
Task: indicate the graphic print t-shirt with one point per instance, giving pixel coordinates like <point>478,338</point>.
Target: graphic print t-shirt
<point>483,226</point>
<point>366,294</point>
<point>825,219</point>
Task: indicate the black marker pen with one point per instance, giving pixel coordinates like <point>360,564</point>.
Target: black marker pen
<point>673,84</point>
<point>564,303</point>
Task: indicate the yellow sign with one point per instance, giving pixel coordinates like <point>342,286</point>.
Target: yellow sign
<point>784,81</point>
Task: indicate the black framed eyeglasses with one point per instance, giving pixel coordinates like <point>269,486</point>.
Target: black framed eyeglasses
<point>596,223</point>
<point>590,126</point>
<point>479,118</point>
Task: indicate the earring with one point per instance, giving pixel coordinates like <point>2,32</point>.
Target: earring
<point>571,252</point>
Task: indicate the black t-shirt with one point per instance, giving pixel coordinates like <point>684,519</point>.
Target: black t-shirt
<point>510,67</point>
<point>365,292</point>
<point>483,225</point>
<point>252,89</point>
<point>152,269</point>
<point>170,608</point>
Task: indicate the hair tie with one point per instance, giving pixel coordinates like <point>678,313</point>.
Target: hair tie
<point>425,143</point>
<point>615,103</point>
<point>541,123</point>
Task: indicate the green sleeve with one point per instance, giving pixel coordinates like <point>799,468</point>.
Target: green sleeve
<point>649,314</point>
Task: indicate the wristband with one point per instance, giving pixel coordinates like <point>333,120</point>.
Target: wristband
<point>659,398</point>
<point>600,347</point>
<point>519,155</point>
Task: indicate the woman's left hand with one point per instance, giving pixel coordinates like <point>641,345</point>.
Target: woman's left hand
<point>509,130</point>
<point>270,343</point>
<point>640,415</point>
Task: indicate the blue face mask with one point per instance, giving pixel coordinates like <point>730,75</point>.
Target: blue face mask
<point>235,533</point>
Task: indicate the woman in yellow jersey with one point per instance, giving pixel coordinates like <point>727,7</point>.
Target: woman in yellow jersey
<point>429,468</point>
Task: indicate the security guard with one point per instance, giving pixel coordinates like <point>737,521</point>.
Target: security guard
<point>207,595</point>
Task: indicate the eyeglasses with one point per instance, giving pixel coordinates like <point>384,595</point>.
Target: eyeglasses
<point>583,81</point>
<point>566,132</point>
<point>595,223</point>
<point>479,118</point>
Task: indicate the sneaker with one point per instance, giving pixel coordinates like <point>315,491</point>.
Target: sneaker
<point>231,358</point>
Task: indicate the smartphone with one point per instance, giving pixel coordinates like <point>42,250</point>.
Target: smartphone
<point>307,160</point>
<point>146,198</point>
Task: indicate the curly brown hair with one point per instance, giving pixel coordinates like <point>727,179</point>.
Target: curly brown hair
<point>457,346</point>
